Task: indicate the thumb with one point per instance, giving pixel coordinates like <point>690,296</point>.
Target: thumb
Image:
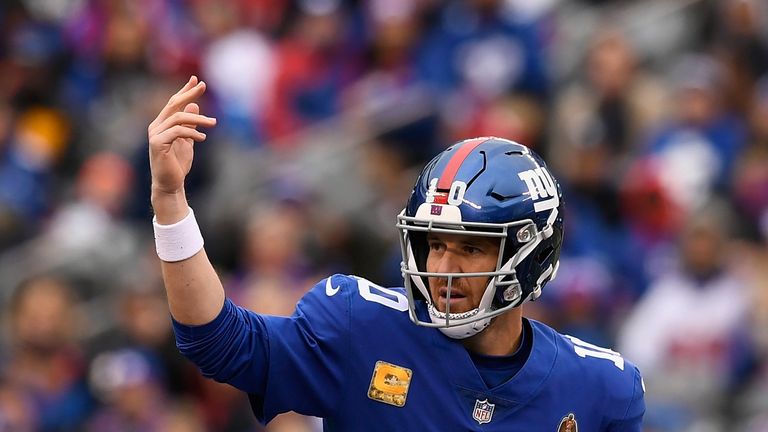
<point>192,108</point>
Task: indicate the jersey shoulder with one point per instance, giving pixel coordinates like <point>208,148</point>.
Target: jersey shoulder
<point>356,296</point>
<point>603,372</point>
<point>350,305</point>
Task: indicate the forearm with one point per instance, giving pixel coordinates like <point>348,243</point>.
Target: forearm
<point>195,293</point>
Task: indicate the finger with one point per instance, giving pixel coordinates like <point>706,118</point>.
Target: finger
<point>181,99</point>
<point>192,121</point>
<point>184,119</point>
<point>192,108</point>
<point>192,81</point>
<point>168,136</point>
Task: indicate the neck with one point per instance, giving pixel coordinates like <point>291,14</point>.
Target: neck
<point>501,338</point>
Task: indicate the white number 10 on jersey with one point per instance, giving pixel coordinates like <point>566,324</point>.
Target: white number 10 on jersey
<point>586,349</point>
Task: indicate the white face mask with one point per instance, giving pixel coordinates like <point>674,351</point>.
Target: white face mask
<point>469,323</point>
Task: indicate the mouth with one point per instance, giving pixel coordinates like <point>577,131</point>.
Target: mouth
<point>458,302</point>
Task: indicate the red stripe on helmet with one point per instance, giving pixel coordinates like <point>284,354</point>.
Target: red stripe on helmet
<point>449,173</point>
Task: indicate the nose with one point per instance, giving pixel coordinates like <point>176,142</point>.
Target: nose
<point>448,263</point>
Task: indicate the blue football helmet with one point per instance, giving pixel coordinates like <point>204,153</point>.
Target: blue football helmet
<point>489,187</point>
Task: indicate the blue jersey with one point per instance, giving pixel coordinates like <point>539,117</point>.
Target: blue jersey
<point>351,355</point>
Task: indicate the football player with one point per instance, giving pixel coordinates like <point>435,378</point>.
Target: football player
<point>450,351</point>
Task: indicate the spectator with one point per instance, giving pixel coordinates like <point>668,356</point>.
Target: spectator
<point>480,47</point>
<point>313,65</point>
<point>45,365</point>
<point>578,80</point>
<point>682,331</point>
<point>608,110</point>
<point>273,258</point>
<point>142,326</point>
<point>750,183</point>
<point>26,169</point>
<point>127,382</point>
<point>703,134</point>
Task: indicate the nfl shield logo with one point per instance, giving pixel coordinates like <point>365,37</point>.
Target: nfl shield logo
<point>436,210</point>
<point>483,411</point>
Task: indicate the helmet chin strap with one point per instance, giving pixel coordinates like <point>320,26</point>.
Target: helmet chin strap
<point>463,331</point>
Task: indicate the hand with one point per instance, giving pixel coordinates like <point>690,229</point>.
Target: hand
<point>172,136</point>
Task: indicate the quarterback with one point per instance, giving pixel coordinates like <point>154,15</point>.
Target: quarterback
<point>450,351</point>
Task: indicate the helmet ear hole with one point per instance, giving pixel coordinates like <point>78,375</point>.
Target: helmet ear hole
<point>545,253</point>
<point>552,246</point>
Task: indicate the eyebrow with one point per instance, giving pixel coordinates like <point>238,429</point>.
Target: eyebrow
<point>470,241</point>
<point>480,242</point>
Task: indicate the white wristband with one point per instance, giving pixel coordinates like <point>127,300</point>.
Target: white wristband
<point>178,241</point>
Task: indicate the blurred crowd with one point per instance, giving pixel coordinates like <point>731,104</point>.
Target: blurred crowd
<point>652,113</point>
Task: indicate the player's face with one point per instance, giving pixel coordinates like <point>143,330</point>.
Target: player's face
<point>458,253</point>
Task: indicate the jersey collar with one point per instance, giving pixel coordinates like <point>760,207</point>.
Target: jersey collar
<point>515,392</point>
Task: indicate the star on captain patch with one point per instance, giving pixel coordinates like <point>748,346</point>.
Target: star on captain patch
<point>568,424</point>
<point>389,383</point>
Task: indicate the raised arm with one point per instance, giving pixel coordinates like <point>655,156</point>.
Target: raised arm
<point>195,293</point>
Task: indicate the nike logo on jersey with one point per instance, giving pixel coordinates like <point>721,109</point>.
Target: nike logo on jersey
<point>330,290</point>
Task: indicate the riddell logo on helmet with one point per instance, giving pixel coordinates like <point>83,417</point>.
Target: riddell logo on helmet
<point>541,187</point>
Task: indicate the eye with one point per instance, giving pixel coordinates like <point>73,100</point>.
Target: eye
<point>435,245</point>
<point>472,250</point>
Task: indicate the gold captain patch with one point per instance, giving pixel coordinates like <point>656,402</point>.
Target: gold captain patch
<point>389,383</point>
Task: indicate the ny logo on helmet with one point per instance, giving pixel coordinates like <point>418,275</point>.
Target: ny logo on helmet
<point>541,187</point>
